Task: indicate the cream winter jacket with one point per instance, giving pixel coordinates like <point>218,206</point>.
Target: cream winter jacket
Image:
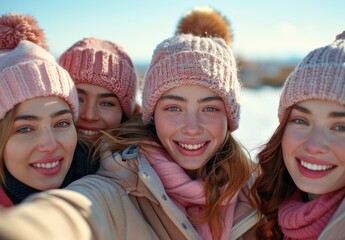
<point>125,200</point>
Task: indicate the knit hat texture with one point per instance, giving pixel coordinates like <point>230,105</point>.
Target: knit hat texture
<point>105,64</point>
<point>28,71</point>
<point>192,60</point>
<point>320,75</point>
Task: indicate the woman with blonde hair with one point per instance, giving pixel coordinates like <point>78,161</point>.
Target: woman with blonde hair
<point>38,108</point>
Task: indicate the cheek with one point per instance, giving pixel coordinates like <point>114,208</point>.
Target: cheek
<point>112,119</point>
<point>218,127</point>
<point>290,144</point>
<point>15,154</point>
<point>164,129</point>
<point>290,140</point>
<point>338,148</point>
<point>69,141</point>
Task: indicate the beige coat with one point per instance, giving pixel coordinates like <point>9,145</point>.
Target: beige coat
<point>335,229</point>
<point>126,200</point>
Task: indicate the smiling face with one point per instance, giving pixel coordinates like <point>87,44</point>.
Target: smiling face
<point>314,146</point>
<point>100,109</point>
<point>40,148</point>
<point>191,123</point>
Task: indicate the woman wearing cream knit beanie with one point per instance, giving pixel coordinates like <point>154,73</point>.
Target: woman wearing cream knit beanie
<point>301,189</point>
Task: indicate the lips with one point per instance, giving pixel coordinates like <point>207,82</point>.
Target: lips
<point>312,168</point>
<point>191,146</point>
<point>315,167</point>
<point>191,149</point>
<point>46,165</point>
<point>87,132</point>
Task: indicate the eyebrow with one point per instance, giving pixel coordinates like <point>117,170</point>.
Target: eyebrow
<point>301,109</point>
<point>182,99</point>
<point>33,117</point>
<point>102,95</point>
<point>337,114</point>
<point>331,114</point>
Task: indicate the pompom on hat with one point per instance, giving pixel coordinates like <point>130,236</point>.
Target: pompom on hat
<point>105,64</point>
<point>26,69</point>
<point>320,75</point>
<point>16,27</point>
<point>187,59</point>
<point>204,21</point>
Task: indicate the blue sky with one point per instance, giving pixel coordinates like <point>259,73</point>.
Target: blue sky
<point>263,29</point>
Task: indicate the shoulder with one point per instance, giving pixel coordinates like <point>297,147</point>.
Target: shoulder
<point>335,228</point>
<point>245,217</point>
<point>119,161</point>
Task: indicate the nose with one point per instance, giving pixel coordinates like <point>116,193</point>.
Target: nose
<point>47,141</point>
<point>192,124</point>
<point>316,142</point>
<point>88,112</point>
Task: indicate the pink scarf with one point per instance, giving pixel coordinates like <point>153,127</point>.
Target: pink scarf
<point>187,194</point>
<point>306,220</point>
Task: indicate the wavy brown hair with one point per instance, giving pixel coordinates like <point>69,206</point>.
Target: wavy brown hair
<point>273,185</point>
<point>228,169</point>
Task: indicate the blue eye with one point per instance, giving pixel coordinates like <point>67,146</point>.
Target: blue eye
<point>24,130</point>
<point>173,109</point>
<point>299,121</point>
<point>339,128</point>
<point>106,104</point>
<point>63,124</point>
<point>211,109</point>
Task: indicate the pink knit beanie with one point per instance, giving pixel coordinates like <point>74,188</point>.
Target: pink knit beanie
<point>320,75</point>
<point>105,64</point>
<point>26,69</point>
<point>192,60</point>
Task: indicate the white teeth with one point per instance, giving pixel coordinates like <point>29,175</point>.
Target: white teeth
<point>46,165</point>
<point>192,147</point>
<point>315,167</point>
<point>88,132</point>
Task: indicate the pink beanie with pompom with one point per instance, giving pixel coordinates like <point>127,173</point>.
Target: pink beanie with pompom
<point>27,70</point>
<point>186,59</point>
<point>105,64</point>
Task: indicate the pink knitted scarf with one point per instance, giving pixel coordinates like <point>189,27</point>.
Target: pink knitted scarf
<point>306,220</point>
<point>187,194</point>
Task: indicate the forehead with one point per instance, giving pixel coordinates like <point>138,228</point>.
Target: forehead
<point>87,88</point>
<point>41,105</point>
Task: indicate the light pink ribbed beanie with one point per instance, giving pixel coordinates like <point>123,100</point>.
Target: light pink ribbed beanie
<point>320,75</point>
<point>192,60</point>
<point>105,64</point>
<point>26,69</point>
